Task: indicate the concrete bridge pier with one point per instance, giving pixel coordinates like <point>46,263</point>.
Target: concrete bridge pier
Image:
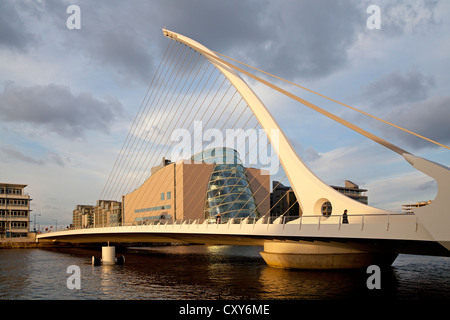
<point>108,257</point>
<point>321,255</point>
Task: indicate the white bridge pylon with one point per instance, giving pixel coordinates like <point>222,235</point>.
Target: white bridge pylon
<point>373,235</point>
<point>310,191</point>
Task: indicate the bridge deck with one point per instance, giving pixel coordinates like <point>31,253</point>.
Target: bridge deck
<point>402,231</point>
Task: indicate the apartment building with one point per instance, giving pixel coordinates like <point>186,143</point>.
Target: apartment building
<point>14,210</point>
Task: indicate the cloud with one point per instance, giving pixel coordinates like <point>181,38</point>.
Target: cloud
<point>428,118</point>
<point>404,98</point>
<point>298,39</point>
<point>402,17</point>
<point>13,33</point>
<point>404,188</point>
<point>119,46</point>
<point>56,109</point>
<point>294,39</point>
<point>397,88</point>
<point>13,154</point>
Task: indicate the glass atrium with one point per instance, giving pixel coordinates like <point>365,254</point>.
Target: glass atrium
<point>228,192</point>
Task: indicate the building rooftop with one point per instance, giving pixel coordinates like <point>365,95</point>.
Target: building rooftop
<point>3,184</point>
<point>349,185</point>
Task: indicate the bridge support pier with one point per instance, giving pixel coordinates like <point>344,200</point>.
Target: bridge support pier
<point>108,257</point>
<point>321,255</point>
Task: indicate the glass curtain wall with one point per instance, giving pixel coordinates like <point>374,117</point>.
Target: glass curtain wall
<point>228,193</point>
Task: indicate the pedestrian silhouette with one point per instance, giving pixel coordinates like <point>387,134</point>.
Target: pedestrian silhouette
<point>344,217</point>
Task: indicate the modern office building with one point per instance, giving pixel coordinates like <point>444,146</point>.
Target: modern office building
<point>82,216</point>
<point>107,213</point>
<point>104,213</point>
<point>284,201</point>
<point>14,210</point>
<point>409,208</point>
<point>211,184</point>
<point>352,190</point>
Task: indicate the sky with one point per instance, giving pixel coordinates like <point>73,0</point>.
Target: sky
<point>68,96</point>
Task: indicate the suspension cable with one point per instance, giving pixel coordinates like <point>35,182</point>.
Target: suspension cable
<point>334,100</point>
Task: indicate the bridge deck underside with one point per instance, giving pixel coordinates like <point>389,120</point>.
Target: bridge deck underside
<point>372,245</point>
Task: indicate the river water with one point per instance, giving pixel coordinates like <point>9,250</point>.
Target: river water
<point>200,272</point>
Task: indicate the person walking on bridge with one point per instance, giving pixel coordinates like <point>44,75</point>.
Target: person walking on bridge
<point>344,217</point>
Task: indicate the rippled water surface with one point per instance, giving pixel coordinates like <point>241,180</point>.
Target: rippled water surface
<point>207,272</point>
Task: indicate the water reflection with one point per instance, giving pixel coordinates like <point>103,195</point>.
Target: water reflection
<point>107,278</point>
<point>316,284</point>
<point>207,272</point>
<point>10,279</point>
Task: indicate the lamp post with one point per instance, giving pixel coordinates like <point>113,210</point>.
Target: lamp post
<point>56,220</point>
<point>34,221</point>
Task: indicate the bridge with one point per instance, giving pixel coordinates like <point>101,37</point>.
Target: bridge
<point>319,237</point>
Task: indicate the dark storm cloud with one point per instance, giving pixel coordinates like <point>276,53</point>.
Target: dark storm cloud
<point>405,99</point>
<point>293,39</point>
<point>128,38</point>
<point>13,30</point>
<point>289,38</point>
<point>55,108</point>
<point>428,118</point>
<point>397,88</point>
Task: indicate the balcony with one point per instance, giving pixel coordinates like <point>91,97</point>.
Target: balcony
<point>13,207</point>
<point>14,196</point>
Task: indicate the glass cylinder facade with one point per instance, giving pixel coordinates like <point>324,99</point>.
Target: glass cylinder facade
<point>228,191</point>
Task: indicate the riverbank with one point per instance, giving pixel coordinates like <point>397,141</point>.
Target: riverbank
<point>19,243</point>
<point>30,242</point>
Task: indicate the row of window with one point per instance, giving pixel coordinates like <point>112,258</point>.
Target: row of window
<point>14,202</point>
<point>13,213</point>
<point>19,225</point>
<point>218,156</point>
<point>167,195</point>
<point>152,208</point>
<point>157,217</point>
<point>10,191</point>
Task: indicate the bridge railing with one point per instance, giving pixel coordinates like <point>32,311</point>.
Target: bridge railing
<point>362,220</point>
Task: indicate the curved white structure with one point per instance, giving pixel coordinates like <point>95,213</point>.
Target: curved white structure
<point>313,241</point>
<point>310,191</point>
<point>435,216</point>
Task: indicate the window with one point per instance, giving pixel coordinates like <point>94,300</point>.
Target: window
<point>162,196</point>
<point>169,195</point>
<point>326,209</point>
<point>153,209</point>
